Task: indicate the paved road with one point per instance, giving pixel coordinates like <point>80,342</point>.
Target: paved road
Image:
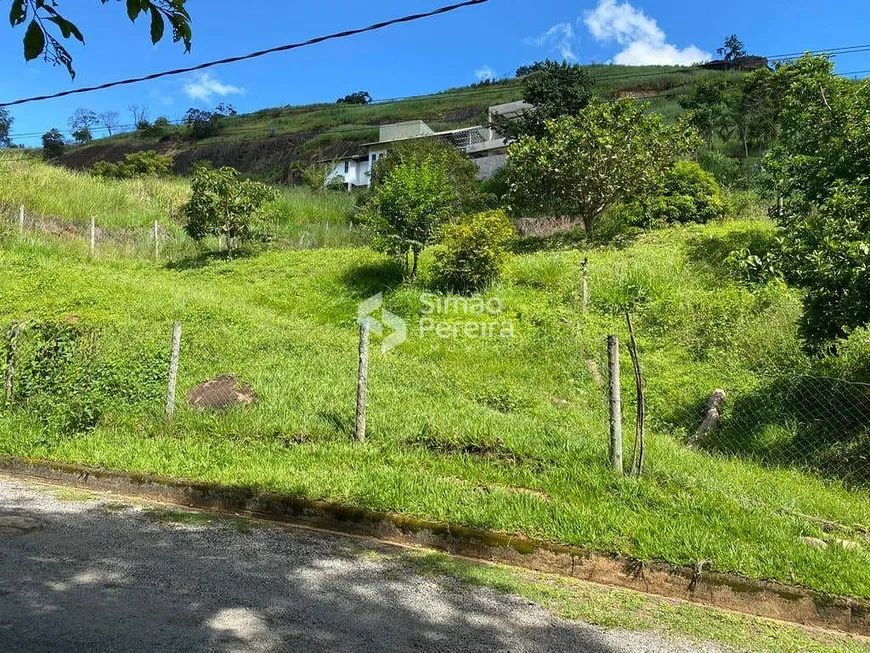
<point>99,575</point>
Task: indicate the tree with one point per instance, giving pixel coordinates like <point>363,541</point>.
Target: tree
<point>409,206</point>
<point>139,114</point>
<point>360,97</point>
<point>41,16</point>
<point>81,124</point>
<point>202,124</point>
<point>522,71</point>
<point>221,204</point>
<point>460,169</point>
<point>53,144</point>
<point>109,120</point>
<point>732,49</point>
<point>583,164</point>
<point>753,108</point>
<point>553,90</point>
<point>820,164</point>
<point>707,102</point>
<point>5,127</point>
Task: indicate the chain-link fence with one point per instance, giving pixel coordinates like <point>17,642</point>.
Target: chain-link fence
<point>818,424</point>
<point>68,374</point>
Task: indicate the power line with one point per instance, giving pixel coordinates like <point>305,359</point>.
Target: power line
<point>252,55</point>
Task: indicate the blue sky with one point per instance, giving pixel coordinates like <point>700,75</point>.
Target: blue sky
<point>451,50</point>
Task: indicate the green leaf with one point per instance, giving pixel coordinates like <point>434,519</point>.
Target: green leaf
<point>67,28</point>
<point>34,41</point>
<point>18,13</point>
<point>134,8</point>
<point>157,25</point>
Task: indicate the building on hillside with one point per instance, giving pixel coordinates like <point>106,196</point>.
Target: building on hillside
<point>484,145</point>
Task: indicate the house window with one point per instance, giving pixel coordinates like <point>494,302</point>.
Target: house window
<point>346,167</point>
<point>374,156</point>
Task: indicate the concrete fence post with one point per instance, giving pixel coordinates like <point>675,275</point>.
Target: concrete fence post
<point>362,381</point>
<point>585,283</point>
<point>615,405</point>
<point>156,241</point>
<point>93,236</point>
<point>21,220</point>
<point>11,351</point>
<point>173,369</point>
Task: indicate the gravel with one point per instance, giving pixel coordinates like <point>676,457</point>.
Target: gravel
<point>101,575</point>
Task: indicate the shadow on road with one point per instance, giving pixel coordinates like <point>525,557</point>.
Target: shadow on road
<point>95,576</point>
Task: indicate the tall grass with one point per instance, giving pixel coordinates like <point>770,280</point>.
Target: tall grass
<point>77,196</point>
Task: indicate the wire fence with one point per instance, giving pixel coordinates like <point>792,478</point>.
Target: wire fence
<point>820,425</point>
<point>161,240</point>
<point>67,376</point>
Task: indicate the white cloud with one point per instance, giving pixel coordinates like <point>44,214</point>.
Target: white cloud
<point>484,72</point>
<point>560,38</point>
<point>204,87</point>
<point>645,42</point>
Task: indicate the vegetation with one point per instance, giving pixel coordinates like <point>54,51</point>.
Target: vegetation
<point>732,49</point>
<point>5,126</point>
<point>554,90</point>
<point>408,207</point>
<point>360,97</point>
<point>40,15</point>
<point>223,205</point>
<point>586,163</point>
<point>472,251</point>
<point>820,164</point>
<point>685,193</point>
<point>53,144</point>
<point>138,164</point>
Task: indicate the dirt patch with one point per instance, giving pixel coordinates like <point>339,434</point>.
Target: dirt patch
<point>221,393</point>
<point>494,450</point>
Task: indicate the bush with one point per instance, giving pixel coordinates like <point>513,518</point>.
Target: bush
<point>686,193</point>
<point>472,251</point>
<point>138,164</point>
<point>221,204</point>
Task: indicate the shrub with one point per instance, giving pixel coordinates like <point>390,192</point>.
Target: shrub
<point>408,207</point>
<point>67,380</point>
<point>687,193</point>
<point>221,204</point>
<point>137,164</point>
<point>160,128</point>
<point>472,250</point>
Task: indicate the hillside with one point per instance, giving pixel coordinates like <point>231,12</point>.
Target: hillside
<point>464,429</point>
<point>269,142</point>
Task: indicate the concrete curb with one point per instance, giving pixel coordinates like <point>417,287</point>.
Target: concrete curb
<point>757,597</point>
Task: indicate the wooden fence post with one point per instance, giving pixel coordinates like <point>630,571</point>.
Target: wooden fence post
<point>639,433</point>
<point>21,220</point>
<point>156,241</point>
<point>362,380</point>
<point>173,369</point>
<point>12,344</point>
<point>615,405</point>
<point>93,234</point>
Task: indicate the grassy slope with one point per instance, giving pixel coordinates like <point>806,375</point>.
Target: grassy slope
<point>285,322</point>
<point>454,108</point>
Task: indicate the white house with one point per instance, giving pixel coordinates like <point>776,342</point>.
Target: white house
<point>486,147</point>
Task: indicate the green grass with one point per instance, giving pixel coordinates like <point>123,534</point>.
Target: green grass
<point>450,109</point>
<point>501,433</point>
<point>75,197</point>
<point>59,202</point>
<point>625,610</point>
